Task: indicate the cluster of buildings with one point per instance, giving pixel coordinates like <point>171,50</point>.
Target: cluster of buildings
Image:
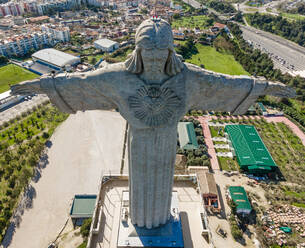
<point>18,8</point>
<point>210,34</point>
<point>21,44</point>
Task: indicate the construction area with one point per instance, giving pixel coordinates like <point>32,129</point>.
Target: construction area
<point>249,149</point>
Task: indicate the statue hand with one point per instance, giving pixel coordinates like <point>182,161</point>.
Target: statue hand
<point>280,90</point>
<point>27,88</point>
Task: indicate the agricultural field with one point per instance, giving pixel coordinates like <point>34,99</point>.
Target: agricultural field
<point>22,141</point>
<point>13,74</point>
<point>213,60</point>
<point>200,21</point>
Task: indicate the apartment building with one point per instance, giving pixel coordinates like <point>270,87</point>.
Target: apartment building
<point>20,45</point>
<point>59,33</point>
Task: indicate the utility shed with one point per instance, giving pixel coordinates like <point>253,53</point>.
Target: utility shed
<point>239,196</point>
<point>251,152</point>
<point>82,207</point>
<point>187,136</point>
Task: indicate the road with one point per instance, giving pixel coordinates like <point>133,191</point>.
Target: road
<point>286,55</point>
<point>84,146</point>
<point>268,8</point>
<point>193,3</point>
<point>197,5</point>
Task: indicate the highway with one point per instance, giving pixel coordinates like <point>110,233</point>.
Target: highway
<point>286,55</point>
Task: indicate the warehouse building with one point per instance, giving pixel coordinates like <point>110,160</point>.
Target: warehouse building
<point>238,195</point>
<point>187,136</point>
<point>50,59</point>
<point>249,149</point>
<point>106,45</point>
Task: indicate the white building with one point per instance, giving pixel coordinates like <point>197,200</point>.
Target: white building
<point>106,45</point>
<point>55,59</point>
<point>58,32</point>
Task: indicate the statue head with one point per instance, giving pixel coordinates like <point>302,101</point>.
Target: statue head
<point>154,48</point>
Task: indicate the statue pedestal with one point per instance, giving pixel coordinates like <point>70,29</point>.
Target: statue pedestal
<point>168,235</point>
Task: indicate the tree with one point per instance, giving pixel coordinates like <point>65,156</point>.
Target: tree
<point>85,228</point>
<point>93,61</point>
<point>3,60</point>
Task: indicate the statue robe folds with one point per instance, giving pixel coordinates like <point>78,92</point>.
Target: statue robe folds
<point>152,112</point>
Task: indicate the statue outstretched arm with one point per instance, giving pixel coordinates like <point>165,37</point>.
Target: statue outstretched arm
<point>73,92</point>
<point>234,94</point>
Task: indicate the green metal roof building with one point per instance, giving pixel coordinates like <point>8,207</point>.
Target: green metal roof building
<point>251,152</point>
<point>240,198</point>
<point>187,136</point>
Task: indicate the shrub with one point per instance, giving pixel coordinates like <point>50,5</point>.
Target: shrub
<point>45,135</point>
<point>85,228</point>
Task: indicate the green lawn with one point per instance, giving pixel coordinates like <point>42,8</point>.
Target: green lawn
<point>293,16</point>
<point>191,22</point>
<point>97,57</point>
<point>216,61</point>
<point>227,164</point>
<point>12,74</point>
<point>217,131</point>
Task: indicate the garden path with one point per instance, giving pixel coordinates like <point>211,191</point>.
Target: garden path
<point>208,140</point>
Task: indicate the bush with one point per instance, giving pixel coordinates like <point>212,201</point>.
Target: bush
<point>235,230</point>
<point>85,228</point>
<point>45,135</point>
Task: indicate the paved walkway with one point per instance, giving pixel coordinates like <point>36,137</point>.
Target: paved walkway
<point>297,131</point>
<point>208,140</point>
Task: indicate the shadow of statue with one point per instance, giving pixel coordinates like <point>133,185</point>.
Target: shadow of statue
<point>222,205</point>
<point>186,230</point>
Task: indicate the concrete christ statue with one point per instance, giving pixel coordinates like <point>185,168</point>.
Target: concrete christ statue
<point>152,90</point>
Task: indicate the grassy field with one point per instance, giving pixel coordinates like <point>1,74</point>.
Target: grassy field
<point>13,74</point>
<point>296,17</point>
<point>191,22</point>
<point>216,61</point>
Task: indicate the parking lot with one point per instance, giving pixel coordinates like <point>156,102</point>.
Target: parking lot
<point>21,107</point>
